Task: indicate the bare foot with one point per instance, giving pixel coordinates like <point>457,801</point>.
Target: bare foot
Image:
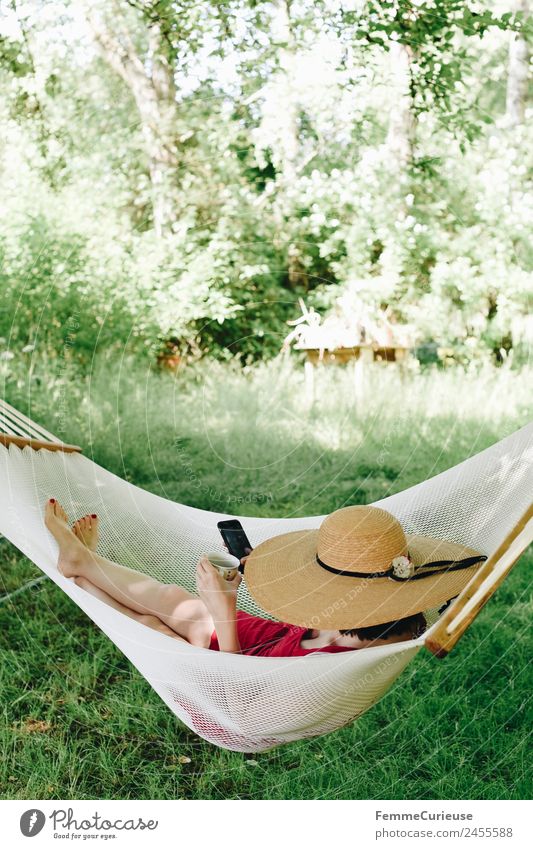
<point>86,529</point>
<point>70,549</point>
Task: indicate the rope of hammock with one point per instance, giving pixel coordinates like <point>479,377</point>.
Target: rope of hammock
<point>12,421</point>
<point>23,588</point>
<point>17,429</point>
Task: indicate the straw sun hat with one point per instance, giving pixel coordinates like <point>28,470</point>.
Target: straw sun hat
<point>358,569</point>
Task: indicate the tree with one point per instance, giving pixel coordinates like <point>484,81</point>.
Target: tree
<point>518,67</point>
<point>289,150</point>
<point>149,76</point>
<point>401,130</point>
<point>281,24</point>
<point>228,157</point>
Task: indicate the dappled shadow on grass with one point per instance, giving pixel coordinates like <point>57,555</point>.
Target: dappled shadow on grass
<point>219,437</point>
<point>313,480</point>
<point>247,443</point>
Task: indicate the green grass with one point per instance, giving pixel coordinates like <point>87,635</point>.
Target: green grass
<point>79,722</point>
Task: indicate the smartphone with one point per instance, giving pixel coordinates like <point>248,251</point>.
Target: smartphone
<point>235,539</point>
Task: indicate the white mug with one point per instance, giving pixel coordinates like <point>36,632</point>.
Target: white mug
<point>226,564</point>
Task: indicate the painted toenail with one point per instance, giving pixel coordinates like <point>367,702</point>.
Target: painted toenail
<point>52,501</point>
<point>93,515</point>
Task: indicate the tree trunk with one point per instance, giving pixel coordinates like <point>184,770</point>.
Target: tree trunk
<point>401,132</point>
<point>289,114</point>
<point>517,77</point>
<point>156,102</point>
<point>151,83</point>
<point>289,141</point>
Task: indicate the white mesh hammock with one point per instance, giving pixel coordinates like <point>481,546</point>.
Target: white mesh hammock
<point>242,703</point>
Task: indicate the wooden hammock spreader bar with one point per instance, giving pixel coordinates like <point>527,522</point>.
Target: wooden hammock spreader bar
<point>37,444</point>
<point>460,615</point>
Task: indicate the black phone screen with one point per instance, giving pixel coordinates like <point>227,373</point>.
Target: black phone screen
<point>234,537</point>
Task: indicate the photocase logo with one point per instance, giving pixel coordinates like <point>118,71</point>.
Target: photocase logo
<point>65,824</point>
<point>31,822</point>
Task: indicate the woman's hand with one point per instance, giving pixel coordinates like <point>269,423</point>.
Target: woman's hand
<point>217,594</point>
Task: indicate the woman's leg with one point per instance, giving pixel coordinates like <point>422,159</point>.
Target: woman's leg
<point>181,611</point>
<point>145,619</point>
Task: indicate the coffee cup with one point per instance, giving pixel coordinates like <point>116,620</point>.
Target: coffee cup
<point>226,564</point>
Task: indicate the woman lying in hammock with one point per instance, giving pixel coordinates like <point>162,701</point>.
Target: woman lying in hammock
<point>212,619</point>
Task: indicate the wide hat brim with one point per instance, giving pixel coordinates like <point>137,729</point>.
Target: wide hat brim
<point>285,579</point>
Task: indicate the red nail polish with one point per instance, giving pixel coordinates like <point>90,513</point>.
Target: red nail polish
<point>93,515</point>
<point>52,501</point>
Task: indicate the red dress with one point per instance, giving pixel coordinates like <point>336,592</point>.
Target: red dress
<point>265,638</point>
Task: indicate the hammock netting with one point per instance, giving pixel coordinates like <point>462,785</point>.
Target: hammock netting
<point>243,703</point>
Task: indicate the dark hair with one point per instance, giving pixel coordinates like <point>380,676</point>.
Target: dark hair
<point>415,625</point>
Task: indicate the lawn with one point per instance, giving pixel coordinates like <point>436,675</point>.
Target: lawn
<point>79,722</point>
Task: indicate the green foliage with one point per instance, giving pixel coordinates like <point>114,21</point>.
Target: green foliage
<point>433,32</point>
<point>284,181</point>
<point>49,295</point>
